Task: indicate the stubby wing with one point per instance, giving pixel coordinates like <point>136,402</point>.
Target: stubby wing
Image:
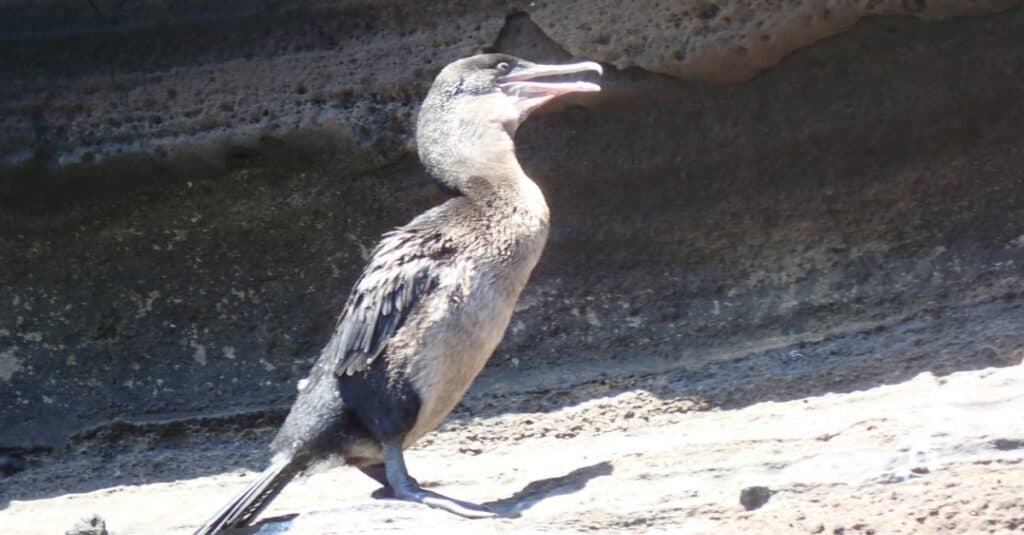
<point>403,269</point>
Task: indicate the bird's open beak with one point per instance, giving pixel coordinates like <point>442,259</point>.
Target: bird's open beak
<point>523,85</point>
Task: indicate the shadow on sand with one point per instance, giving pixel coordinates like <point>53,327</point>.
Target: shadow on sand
<point>511,507</point>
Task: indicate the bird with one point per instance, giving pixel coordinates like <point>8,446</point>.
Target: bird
<point>436,295</point>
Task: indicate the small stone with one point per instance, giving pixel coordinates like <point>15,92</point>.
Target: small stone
<point>754,497</point>
<point>90,525</point>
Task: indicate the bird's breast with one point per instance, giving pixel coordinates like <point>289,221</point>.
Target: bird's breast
<point>480,295</point>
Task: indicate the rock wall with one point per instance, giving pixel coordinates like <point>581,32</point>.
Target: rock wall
<point>190,189</point>
<point>179,88</point>
<point>719,40</point>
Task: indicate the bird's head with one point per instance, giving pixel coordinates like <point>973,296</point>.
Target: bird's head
<point>476,104</point>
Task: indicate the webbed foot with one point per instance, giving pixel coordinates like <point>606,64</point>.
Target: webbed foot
<point>440,501</point>
<point>406,488</point>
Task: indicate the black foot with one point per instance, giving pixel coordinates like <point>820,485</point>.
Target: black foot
<point>440,501</point>
<point>378,474</point>
<point>406,488</point>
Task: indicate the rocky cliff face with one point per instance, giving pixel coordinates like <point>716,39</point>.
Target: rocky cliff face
<point>189,190</point>
<point>171,89</point>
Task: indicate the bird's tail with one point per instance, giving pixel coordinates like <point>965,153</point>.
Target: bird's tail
<point>254,498</point>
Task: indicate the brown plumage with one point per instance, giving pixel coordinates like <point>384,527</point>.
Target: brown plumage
<point>436,296</point>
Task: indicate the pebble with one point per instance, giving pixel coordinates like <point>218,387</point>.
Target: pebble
<point>754,497</point>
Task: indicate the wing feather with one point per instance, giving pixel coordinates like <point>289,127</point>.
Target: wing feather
<point>403,269</point>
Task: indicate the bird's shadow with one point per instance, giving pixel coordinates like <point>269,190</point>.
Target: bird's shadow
<point>536,491</point>
<point>511,507</point>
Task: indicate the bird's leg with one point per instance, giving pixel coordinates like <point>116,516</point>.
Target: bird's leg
<point>379,474</point>
<point>406,488</point>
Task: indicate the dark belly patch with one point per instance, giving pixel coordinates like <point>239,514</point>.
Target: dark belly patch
<point>384,403</point>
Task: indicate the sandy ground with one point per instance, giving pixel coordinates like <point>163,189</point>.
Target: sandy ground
<point>629,453</point>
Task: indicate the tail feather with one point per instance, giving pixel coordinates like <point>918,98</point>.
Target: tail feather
<point>247,505</point>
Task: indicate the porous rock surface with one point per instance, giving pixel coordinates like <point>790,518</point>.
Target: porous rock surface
<point>869,178</point>
<point>201,87</point>
<point>207,85</point>
<point>719,40</point>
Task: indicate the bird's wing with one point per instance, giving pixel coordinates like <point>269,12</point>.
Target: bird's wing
<point>403,269</point>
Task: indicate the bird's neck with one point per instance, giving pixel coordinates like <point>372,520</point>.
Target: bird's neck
<point>483,167</point>
<point>508,191</point>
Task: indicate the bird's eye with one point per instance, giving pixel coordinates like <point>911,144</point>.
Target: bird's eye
<point>504,67</point>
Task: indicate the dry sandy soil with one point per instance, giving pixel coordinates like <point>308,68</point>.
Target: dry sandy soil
<point>648,447</point>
